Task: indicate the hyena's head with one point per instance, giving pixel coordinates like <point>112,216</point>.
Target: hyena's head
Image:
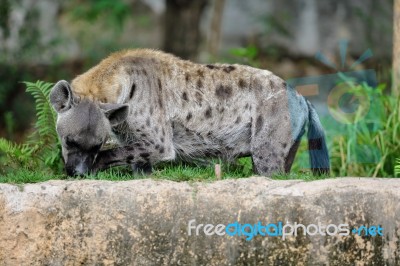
<point>82,126</point>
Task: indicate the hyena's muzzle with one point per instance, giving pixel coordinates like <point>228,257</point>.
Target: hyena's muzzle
<point>79,163</point>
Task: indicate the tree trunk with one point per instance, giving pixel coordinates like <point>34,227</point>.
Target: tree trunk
<point>215,29</point>
<point>182,27</point>
<point>396,48</point>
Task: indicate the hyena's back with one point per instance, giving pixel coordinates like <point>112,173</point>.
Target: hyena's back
<point>190,110</point>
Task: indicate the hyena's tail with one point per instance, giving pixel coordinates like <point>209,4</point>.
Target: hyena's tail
<point>319,156</point>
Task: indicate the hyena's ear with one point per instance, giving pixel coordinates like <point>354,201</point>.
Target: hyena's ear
<point>61,96</point>
<point>116,113</point>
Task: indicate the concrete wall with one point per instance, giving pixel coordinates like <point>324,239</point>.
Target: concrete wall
<point>145,222</point>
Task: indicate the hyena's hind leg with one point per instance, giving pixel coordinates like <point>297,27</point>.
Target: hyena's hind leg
<point>291,155</point>
<point>295,146</point>
<point>275,140</point>
<point>270,147</point>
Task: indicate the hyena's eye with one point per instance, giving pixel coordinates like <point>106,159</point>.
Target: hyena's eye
<point>95,148</point>
<point>71,144</point>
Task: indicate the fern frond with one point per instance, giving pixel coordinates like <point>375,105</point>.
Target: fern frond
<point>46,135</point>
<point>397,167</point>
<point>19,152</point>
<point>43,148</point>
<point>46,117</point>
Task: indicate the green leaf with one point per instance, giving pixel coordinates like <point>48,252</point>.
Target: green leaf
<point>42,148</point>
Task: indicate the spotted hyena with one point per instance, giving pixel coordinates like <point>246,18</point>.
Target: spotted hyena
<point>162,108</point>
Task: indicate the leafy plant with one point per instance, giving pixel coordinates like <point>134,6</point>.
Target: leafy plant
<point>114,12</point>
<point>18,155</point>
<point>397,167</point>
<point>247,54</point>
<point>42,151</point>
<point>9,123</point>
<point>369,145</point>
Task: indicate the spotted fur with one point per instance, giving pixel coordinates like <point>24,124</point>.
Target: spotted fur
<point>180,109</point>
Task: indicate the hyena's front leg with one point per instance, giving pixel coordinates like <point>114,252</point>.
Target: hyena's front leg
<point>138,154</point>
<point>142,168</point>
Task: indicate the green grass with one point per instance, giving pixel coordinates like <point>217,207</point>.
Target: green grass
<point>166,171</point>
<point>27,176</point>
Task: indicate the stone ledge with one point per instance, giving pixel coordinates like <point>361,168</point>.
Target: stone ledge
<point>145,222</point>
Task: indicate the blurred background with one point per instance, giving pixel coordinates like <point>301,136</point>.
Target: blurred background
<point>53,39</point>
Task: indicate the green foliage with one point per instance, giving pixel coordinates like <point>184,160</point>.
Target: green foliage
<point>23,175</point>
<point>275,24</point>
<point>9,123</point>
<point>46,117</point>
<point>5,10</point>
<point>18,155</point>
<point>366,143</point>
<point>45,134</point>
<point>397,167</point>
<point>42,151</point>
<point>247,54</point>
<point>370,144</point>
<point>104,21</point>
<point>114,12</point>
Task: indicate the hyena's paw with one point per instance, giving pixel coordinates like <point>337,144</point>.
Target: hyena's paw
<point>142,168</point>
